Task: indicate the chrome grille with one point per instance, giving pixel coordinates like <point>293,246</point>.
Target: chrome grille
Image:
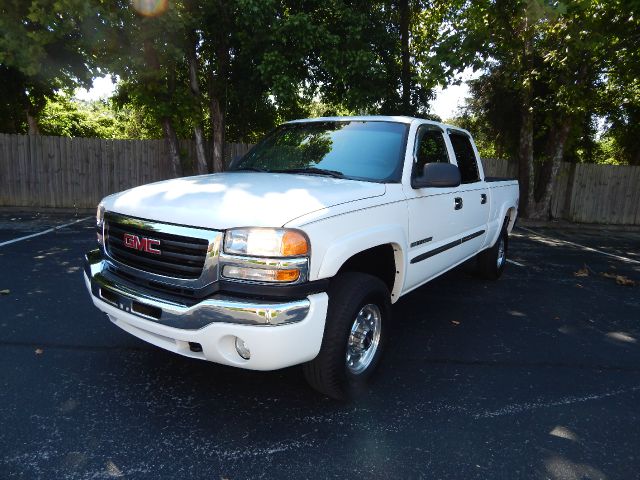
<point>188,256</point>
<point>180,257</point>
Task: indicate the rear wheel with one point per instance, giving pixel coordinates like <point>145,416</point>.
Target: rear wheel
<point>491,262</point>
<point>354,335</point>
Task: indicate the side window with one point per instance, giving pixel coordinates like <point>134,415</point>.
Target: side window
<point>465,156</point>
<point>430,148</point>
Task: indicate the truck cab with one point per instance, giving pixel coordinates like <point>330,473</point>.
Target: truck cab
<point>296,254</point>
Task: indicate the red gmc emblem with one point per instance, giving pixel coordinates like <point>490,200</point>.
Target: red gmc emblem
<point>143,244</point>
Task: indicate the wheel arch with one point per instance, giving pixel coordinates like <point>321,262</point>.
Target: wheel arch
<point>372,252</point>
<point>512,213</point>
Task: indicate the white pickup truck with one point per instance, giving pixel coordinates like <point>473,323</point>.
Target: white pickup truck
<point>295,255</point>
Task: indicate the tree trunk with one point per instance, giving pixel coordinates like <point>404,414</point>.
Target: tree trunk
<point>33,124</point>
<point>217,102</point>
<point>201,156</point>
<point>153,62</point>
<point>217,120</point>
<point>526,169</point>
<point>405,74</point>
<point>525,159</point>
<point>174,149</point>
<point>541,210</point>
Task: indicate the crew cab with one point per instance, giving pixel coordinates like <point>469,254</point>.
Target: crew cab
<point>296,253</point>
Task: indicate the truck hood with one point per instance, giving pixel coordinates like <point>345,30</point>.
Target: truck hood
<point>238,199</point>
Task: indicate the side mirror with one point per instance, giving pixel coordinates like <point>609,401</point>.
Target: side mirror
<point>438,175</point>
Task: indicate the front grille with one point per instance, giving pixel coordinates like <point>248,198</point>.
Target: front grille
<point>180,257</point>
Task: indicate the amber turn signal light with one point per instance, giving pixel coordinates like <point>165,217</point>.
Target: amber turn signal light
<point>293,244</point>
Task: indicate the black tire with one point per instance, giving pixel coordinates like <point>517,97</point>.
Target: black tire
<point>349,293</point>
<point>487,261</point>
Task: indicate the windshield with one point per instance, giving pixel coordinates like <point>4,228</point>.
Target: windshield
<point>362,150</point>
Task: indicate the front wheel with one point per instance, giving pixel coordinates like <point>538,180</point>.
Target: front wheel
<point>354,335</point>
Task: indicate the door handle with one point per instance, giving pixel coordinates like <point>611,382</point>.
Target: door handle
<point>483,198</point>
<point>458,202</point>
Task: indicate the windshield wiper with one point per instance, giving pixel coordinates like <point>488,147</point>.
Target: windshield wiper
<point>251,169</point>
<point>313,170</point>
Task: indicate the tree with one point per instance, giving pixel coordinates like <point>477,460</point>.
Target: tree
<point>620,93</point>
<point>45,46</point>
<point>548,66</point>
<point>147,53</point>
<point>64,117</point>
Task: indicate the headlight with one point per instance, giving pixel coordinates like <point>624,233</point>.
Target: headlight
<point>100,215</point>
<point>99,222</point>
<point>265,255</point>
<point>266,242</point>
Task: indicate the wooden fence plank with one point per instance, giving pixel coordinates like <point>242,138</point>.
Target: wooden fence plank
<point>6,171</point>
<point>633,210</point>
<point>625,195</point>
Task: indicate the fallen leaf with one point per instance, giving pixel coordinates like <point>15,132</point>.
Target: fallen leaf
<point>455,322</point>
<point>39,351</point>
<point>583,272</point>
<point>625,281</point>
<point>620,279</point>
<point>6,291</point>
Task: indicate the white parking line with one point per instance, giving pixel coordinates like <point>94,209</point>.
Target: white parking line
<point>588,249</point>
<point>26,237</point>
<point>515,263</point>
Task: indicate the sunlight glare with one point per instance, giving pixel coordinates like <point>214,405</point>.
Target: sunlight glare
<point>563,432</point>
<point>150,8</point>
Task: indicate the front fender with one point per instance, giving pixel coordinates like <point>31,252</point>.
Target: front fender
<point>343,248</point>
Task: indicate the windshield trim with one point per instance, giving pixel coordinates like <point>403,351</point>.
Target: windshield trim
<point>395,177</point>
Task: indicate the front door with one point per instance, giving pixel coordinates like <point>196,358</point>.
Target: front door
<point>434,219</point>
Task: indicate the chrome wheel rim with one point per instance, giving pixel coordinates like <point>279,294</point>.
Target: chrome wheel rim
<point>364,338</point>
<point>501,253</point>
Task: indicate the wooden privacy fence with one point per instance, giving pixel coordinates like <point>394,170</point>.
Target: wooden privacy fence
<point>62,172</point>
<point>38,171</point>
<point>588,193</point>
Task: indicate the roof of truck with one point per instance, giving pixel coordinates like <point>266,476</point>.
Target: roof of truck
<point>380,118</point>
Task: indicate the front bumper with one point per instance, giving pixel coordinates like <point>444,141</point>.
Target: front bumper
<point>278,333</point>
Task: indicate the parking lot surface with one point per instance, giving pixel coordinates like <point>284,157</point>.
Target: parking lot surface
<point>536,375</point>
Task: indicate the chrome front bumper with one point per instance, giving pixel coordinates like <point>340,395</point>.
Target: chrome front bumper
<point>174,312</point>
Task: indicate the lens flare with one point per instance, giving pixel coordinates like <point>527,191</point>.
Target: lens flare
<point>150,8</point>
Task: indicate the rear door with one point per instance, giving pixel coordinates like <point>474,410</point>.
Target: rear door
<point>472,200</point>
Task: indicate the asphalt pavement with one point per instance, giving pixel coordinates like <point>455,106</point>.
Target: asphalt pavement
<point>536,375</point>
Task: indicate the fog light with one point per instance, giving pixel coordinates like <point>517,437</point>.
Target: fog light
<point>242,349</point>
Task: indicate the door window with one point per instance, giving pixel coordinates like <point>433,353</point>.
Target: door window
<point>465,157</point>
<point>430,148</point>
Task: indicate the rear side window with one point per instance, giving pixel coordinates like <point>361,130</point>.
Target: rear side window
<point>465,156</point>
<point>430,148</point>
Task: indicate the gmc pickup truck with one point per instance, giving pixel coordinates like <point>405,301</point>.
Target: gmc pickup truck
<point>296,253</point>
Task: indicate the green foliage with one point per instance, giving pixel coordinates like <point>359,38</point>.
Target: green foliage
<point>44,47</point>
<point>577,60</point>
<point>266,61</point>
<point>147,53</point>
<point>66,117</point>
